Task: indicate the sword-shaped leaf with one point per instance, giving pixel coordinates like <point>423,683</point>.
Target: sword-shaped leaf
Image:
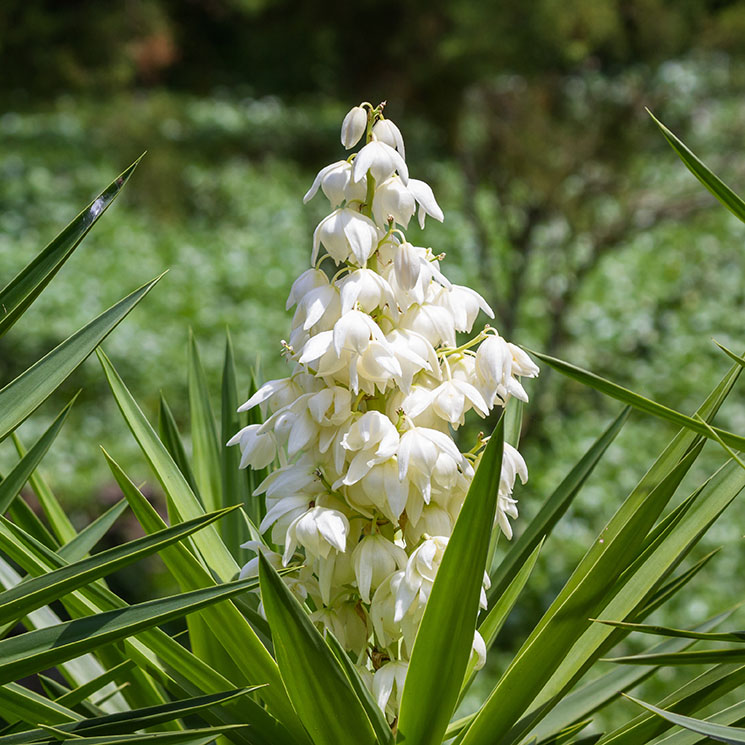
<point>41,649</point>
<point>28,284</point>
<point>639,402</point>
<point>725,636</point>
<point>552,509</point>
<point>84,542</point>
<point>206,452</point>
<point>128,722</point>
<point>711,181</point>
<point>444,640</point>
<point>12,484</point>
<point>718,732</point>
<point>39,591</point>
<point>316,684</point>
<point>24,394</point>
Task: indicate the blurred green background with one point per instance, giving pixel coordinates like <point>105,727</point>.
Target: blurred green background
<point>564,206</point>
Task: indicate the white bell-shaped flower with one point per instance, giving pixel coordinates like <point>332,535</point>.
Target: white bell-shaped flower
<point>521,363</point>
<point>381,160</point>
<point>434,322</point>
<point>419,575</point>
<point>463,303</point>
<point>318,531</point>
<point>513,465</point>
<point>374,439</point>
<point>279,393</point>
<point>365,288</point>
<point>257,450</point>
<point>393,199</point>
<point>494,360</point>
<point>353,126</point>
<point>425,198</point>
<point>336,183</point>
<point>414,353</point>
<point>307,281</point>
<point>377,367</point>
<point>478,651</point>
<point>386,131</point>
<point>322,302</point>
<point>331,407</point>
<point>506,508</point>
<point>418,454</point>
<point>383,609</point>
<point>434,520</point>
<point>450,401</point>
<point>369,481</point>
<point>374,559</point>
<point>344,233</point>
<point>383,489</point>
<point>280,513</point>
<point>389,681</point>
<point>354,331</point>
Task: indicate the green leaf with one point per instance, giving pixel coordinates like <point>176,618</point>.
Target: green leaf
<point>21,514</point>
<point>84,542</point>
<point>444,640</point>
<point>170,437</point>
<point>27,285</point>
<point>203,736</point>
<point>732,715</point>
<point>316,684</point>
<point>697,657</point>
<point>235,482</point>
<point>692,696</point>
<point>718,732</point>
<point>599,692</point>
<point>161,656</point>
<point>79,694</point>
<point>206,452</point>
<point>12,484</point>
<point>19,704</point>
<point>549,645</point>
<point>492,624</point>
<point>43,590</point>
<point>38,650</point>
<point>730,636</point>
<point>224,621</point>
<point>712,182</point>
<point>513,421</point>
<point>553,509</point>
<point>674,585</point>
<point>128,722</point>
<point>61,526</point>
<point>24,394</point>
<point>177,489</point>
<point>646,405</point>
<point>374,714</point>
<point>564,735</point>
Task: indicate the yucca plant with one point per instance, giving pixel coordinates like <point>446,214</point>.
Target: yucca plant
<point>367,627</point>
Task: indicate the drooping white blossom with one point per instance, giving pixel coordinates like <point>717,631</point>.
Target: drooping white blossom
<point>367,480</point>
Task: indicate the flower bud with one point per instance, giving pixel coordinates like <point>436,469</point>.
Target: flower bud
<point>353,127</point>
<point>375,558</point>
<point>388,678</point>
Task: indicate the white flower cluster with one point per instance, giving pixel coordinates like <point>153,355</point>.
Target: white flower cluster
<point>368,480</point>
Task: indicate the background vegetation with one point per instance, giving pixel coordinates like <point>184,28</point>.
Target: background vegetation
<point>563,204</point>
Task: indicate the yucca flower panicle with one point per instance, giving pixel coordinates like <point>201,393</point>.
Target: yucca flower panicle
<point>368,480</point>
